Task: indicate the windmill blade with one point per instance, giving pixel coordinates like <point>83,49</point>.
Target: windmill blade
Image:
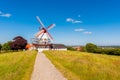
<point>39,33</point>
<point>51,26</point>
<point>50,36</point>
<point>42,25</point>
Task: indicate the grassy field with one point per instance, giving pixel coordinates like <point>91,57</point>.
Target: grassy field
<point>17,65</point>
<point>85,66</point>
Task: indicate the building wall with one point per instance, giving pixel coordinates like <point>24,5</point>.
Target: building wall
<point>41,49</point>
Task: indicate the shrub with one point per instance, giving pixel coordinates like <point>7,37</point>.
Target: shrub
<point>94,49</point>
<point>98,50</point>
<point>108,51</point>
<point>71,48</point>
<point>116,51</point>
<point>0,48</point>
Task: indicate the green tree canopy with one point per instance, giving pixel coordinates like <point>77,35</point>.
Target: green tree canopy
<point>90,47</point>
<point>0,46</point>
<point>6,46</point>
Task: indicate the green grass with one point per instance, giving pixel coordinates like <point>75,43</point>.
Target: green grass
<point>17,65</point>
<point>85,66</point>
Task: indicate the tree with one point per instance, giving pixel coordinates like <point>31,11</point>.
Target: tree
<point>0,47</point>
<point>18,43</point>
<point>90,47</point>
<point>6,46</point>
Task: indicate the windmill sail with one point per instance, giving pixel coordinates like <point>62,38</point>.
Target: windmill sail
<point>42,25</point>
<point>43,36</point>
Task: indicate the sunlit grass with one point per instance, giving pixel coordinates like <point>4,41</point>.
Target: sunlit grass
<point>86,66</point>
<point>17,65</point>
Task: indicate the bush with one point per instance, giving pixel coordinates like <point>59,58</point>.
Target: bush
<point>108,51</point>
<point>94,49</point>
<point>116,51</point>
<point>71,48</point>
<point>98,50</point>
<point>0,48</point>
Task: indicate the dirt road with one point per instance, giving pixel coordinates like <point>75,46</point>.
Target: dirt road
<point>45,70</point>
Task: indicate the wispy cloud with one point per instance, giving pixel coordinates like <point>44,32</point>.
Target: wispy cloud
<point>5,14</point>
<point>83,31</point>
<point>69,20</point>
<point>73,21</point>
<point>79,30</point>
<point>87,32</point>
<point>77,21</point>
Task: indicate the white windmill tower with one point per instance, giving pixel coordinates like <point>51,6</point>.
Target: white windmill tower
<point>43,36</point>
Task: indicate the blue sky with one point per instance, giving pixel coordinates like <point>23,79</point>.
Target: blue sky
<point>77,21</point>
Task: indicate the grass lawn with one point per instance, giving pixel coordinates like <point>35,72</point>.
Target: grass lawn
<point>85,66</point>
<point>17,65</point>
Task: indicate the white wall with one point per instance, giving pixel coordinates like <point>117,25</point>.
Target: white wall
<point>41,49</point>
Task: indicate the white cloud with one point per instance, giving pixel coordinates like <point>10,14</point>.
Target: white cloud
<point>73,21</point>
<point>69,20</point>
<point>5,14</point>
<point>87,32</point>
<point>76,21</point>
<point>79,30</point>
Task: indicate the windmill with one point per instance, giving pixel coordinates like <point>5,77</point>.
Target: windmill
<point>43,39</point>
<point>43,36</point>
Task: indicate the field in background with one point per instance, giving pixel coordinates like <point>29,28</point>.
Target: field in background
<point>17,65</point>
<point>85,66</point>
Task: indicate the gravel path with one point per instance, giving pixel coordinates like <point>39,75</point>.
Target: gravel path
<point>45,70</point>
